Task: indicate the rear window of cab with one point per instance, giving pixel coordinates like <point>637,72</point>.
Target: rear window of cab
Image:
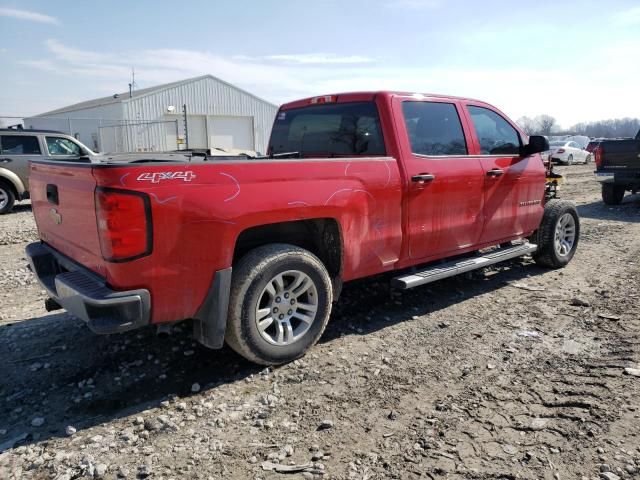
<point>330,129</point>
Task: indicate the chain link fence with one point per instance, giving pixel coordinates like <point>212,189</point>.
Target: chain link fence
<point>108,136</point>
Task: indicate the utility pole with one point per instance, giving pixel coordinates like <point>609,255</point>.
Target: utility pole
<point>132,85</point>
<point>186,126</point>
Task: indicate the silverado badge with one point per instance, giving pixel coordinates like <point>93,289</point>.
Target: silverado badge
<point>57,218</point>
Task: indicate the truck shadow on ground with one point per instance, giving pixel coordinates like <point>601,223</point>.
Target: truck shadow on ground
<point>55,369</point>
<point>627,211</point>
<point>21,207</point>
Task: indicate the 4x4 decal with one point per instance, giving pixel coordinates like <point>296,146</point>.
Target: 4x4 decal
<point>157,177</point>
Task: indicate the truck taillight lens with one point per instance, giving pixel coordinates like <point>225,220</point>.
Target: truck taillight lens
<point>323,99</point>
<point>124,224</point>
<point>561,150</point>
<point>597,156</point>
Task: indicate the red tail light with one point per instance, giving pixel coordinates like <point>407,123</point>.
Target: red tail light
<point>597,156</point>
<point>124,224</point>
<point>561,150</point>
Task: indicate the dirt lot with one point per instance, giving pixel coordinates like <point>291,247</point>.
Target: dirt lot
<point>511,372</point>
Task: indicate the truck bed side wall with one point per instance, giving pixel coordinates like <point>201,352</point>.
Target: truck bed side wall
<point>200,210</point>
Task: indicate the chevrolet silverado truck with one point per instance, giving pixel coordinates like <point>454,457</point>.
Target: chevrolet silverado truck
<point>256,250</point>
<point>618,168</point>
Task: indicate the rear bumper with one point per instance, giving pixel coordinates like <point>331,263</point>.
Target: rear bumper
<point>629,178</point>
<point>85,295</point>
<point>605,177</point>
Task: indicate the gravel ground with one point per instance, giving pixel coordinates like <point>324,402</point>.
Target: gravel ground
<point>510,372</point>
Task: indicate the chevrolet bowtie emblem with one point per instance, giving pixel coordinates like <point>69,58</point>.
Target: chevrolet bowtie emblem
<point>57,218</point>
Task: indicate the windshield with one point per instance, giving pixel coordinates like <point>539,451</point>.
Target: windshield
<point>329,129</point>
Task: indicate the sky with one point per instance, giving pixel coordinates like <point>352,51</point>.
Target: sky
<point>575,60</point>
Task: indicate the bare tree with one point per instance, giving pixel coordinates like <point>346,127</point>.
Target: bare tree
<point>619,127</point>
<point>545,124</point>
<point>527,124</point>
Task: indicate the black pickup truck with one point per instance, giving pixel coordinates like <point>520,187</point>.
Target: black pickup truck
<point>618,168</point>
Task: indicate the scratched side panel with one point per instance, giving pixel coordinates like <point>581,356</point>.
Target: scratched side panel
<point>200,210</point>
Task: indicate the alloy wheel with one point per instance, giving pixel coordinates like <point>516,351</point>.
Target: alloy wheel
<point>565,235</point>
<point>286,308</point>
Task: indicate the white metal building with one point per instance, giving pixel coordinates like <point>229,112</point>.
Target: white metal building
<point>151,119</point>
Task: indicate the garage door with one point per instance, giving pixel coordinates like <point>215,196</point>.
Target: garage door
<point>197,125</point>
<point>231,132</point>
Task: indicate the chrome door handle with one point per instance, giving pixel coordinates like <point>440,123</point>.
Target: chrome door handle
<point>423,177</point>
<point>495,172</point>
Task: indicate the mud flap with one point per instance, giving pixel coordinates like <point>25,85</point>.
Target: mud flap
<point>210,322</point>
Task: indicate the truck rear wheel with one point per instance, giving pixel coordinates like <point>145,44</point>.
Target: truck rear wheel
<point>558,234</point>
<point>7,197</point>
<point>612,194</point>
<point>280,304</point>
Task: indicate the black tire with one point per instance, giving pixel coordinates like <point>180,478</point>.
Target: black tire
<point>7,197</point>
<point>547,254</point>
<point>251,276</point>
<point>587,159</point>
<point>612,194</point>
<point>570,160</point>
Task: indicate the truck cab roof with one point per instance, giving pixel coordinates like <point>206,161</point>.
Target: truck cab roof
<point>367,96</point>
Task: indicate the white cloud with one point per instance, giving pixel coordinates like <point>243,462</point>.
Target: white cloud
<point>628,17</point>
<point>307,59</point>
<point>318,58</point>
<point>27,15</point>
<point>579,94</point>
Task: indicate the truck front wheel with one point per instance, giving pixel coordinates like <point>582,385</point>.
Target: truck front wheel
<point>612,194</point>
<point>280,304</point>
<point>558,234</point>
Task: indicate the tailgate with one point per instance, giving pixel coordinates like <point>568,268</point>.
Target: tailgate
<point>62,198</point>
<point>621,154</point>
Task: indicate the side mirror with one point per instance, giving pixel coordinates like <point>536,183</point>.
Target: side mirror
<point>537,144</point>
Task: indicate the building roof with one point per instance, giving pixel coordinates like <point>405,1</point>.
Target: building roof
<point>124,97</point>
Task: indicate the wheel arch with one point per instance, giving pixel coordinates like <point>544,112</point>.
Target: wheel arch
<point>321,236</point>
<point>14,181</point>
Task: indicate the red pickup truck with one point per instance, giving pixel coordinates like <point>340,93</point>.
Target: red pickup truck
<point>255,250</point>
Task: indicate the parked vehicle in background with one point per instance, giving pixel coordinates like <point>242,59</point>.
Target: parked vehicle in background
<point>19,147</point>
<point>593,143</point>
<point>567,152</point>
<point>618,168</point>
<point>256,250</point>
<point>581,140</point>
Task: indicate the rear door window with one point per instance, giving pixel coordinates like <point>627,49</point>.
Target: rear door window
<point>329,129</point>
<point>434,128</point>
<point>62,146</point>
<point>19,145</point>
<point>496,135</point>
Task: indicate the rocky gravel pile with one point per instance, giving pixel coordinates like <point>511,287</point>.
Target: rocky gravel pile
<point>18,228</point>
<point>510,372</point>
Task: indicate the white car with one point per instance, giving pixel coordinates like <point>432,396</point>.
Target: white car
<point>567,152</point>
